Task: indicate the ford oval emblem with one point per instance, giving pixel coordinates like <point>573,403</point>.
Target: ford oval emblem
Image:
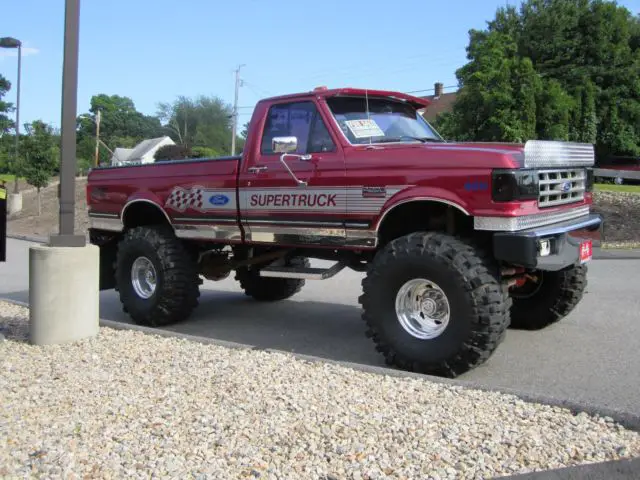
<point>218,199</point>
<point>566,186</point>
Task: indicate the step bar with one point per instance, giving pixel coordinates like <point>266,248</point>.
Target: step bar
<point>302,273</point>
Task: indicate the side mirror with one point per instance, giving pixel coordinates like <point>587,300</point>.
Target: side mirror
<point>284,144</point>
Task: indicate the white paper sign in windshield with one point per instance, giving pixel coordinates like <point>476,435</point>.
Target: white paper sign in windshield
<point>364,128</point>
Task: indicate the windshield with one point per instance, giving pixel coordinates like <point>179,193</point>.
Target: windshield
<point>387,120</point>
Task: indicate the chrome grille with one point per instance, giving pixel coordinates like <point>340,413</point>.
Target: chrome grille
<point>559,187</point>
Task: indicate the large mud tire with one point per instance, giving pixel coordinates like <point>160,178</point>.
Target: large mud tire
<point>268,289</point>
<point>556,296</point>
<point>176,276</point>
<point>478,306</point>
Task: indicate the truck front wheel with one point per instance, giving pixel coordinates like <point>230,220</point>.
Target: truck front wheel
<point>156,277</point>
<point>270,289</point>
<point>555,295</point>
<point>434,304</point>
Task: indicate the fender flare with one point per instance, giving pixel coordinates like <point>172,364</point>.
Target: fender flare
<point>143,199</point>
<point>416,199</point>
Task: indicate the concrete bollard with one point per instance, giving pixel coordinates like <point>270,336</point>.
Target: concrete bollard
<point>64,295</point>
<point>14,203</point>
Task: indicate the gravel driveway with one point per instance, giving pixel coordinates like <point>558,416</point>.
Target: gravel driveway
<point>128,405</point>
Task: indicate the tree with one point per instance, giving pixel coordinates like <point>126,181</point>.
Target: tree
<point>569,67</point>
<point>121,125</point>
<point>200,122</point>
<point>497,101</point>
<point>41,156</point>
<point>5,107</point>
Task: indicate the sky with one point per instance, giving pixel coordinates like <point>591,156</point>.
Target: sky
<point>154,51</point>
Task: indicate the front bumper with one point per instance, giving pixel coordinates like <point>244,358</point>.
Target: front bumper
<point>552,247</point>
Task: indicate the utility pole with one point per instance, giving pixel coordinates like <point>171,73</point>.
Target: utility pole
<point>234,126</point>
<point>97,159</point>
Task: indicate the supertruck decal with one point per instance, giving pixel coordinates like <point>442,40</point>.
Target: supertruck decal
<point>318,200</point>
<point>362,199</point>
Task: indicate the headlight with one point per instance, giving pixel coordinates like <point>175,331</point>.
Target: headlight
<point>514,185</point>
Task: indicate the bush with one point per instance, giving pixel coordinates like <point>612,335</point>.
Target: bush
<point>204,152</point>
<point>172,152</point>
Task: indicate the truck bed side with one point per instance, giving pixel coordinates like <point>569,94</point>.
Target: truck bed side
<point>198,196</point>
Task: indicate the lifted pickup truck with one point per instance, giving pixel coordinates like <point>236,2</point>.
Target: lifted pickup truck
<point>459,241</point>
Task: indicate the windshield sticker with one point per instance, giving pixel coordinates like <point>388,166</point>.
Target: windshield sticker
<point>364,128</point>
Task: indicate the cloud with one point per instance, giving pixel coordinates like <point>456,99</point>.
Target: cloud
<point>13,52</point>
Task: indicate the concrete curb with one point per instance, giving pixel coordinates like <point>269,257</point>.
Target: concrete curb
<point>629,420</point>
<point>598,253</point>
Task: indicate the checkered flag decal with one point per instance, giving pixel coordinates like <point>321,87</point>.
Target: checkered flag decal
<point>181,199</point>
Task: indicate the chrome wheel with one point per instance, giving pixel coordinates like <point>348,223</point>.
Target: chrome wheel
<point>143,277</point>
<point>422,309</point>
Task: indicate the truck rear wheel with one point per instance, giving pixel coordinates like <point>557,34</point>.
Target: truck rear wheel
<point>536,306</point>
<point>434,304</point>
<point>269,289</point>
<point>156,277</point>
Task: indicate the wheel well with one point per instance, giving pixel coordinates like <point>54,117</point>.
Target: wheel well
<point>424,215</point>
<point>141,213</point>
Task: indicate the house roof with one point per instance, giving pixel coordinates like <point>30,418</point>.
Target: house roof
<point>121,154</point>
<point>443,103</point>
<point>145,146</point>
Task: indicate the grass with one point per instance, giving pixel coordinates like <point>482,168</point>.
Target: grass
<point>610,187</point>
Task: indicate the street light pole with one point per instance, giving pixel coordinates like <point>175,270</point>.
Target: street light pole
<point>15,180</point>
<point>66,237</point>
<point>10,42</point>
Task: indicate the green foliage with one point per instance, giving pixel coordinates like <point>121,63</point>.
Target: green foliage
<point>498,100</point>
<point>245,131</point>
<point>200,122</point>
<point>204,152</point>
<point>5,107</point>
<point>41,155</point>
<point>40,158</point>
<point>121,125</point>
<point>173,152</point>
<point>555,69</point>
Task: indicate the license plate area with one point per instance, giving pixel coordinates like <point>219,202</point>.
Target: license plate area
<point>586,251</point>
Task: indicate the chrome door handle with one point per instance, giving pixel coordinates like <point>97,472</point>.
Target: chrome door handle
<point>257,169</point>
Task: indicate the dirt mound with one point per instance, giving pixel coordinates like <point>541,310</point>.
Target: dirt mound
<point>27,222</point>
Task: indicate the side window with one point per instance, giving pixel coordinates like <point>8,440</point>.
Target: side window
<point>300,120</point>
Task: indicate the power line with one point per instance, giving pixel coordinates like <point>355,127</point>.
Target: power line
<point>432,89</point>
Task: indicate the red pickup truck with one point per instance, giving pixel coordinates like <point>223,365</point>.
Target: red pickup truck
<point>458,241</point>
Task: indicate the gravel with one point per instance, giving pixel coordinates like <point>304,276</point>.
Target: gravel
<point>128,404</point>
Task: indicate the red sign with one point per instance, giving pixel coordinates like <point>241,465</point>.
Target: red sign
<point>586,251</point>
